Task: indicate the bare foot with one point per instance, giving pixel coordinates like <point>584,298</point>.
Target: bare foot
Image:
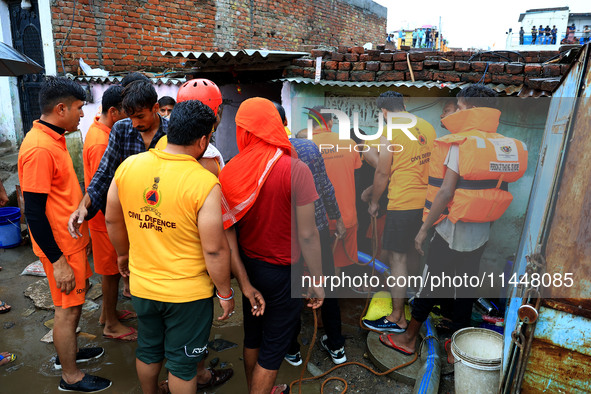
<point>4,307</point>
<point>399,342</point>
<point>121,332</point>
<point>6,358</point>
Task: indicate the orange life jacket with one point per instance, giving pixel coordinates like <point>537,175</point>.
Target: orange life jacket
<point>488,161</point>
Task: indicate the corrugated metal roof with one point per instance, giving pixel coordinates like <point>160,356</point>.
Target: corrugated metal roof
<point>500,88</point>
<point>228,58</point>
<point>117,79</point>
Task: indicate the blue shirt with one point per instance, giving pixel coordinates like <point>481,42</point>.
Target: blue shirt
<point>309,153</point>
<point>124,141</point>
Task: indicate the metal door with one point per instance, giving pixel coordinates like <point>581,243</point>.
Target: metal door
<point>26,38</point>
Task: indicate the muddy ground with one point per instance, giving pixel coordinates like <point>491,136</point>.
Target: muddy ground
<point>32,372</point>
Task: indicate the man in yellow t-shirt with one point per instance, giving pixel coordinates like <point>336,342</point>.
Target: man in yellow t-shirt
<point>164,220</point>
<point>403,167</point>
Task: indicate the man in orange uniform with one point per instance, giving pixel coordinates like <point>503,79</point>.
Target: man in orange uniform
<point>405,174</point>
<point>468,176</point>
<point>105,257</point>
<point>341,161</point>
<point>51,191</point>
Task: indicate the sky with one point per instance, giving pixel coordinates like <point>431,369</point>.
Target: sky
<point>465,24</point>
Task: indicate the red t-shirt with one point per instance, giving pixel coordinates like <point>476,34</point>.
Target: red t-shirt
<point>267,231</point>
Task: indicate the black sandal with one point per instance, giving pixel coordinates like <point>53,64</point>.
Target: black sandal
<point>218,377</point>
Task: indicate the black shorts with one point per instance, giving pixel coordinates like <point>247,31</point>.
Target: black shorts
<point>271,333</point>
<point>401,229</point>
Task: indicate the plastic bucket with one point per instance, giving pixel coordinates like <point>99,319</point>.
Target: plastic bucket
<point>10,227</point>
<point>478,353</point>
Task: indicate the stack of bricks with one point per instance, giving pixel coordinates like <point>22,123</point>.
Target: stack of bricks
<point>358,65</point>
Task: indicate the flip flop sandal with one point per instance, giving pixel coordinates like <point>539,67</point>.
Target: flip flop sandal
<point>3,305</point>
<point>392,345</point>
<point>10,358</point>
<point>122,336</point>
<point>278,387</point>
<point>449,353</point>
<point>127,315</point>
<point>218,377</point>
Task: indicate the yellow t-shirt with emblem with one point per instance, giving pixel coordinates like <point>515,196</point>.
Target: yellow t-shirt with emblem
<point>161,195</point>
<point>409,173</point>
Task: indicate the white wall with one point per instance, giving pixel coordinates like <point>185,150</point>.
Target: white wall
<point>11,125</point>
<point>97,90</point>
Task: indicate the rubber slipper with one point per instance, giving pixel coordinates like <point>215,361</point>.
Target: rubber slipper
<point>6,308</point>
<point>10,358</point>
<point>218,377</point>
<point>392,345</point>
<point>124,315</point>
<point>278,387</point>
<point>447,350</point>
<point>122,336</point>
<point>127,315</point>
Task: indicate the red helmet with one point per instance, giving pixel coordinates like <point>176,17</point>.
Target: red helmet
<point>203,90</point>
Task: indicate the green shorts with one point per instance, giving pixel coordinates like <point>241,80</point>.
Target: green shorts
<point>178,332</point>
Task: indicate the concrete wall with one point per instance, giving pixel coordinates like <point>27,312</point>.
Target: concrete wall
<point>126,35</point>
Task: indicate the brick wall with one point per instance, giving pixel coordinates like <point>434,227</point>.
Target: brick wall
<point>355,64</point>
<point>129,35</point>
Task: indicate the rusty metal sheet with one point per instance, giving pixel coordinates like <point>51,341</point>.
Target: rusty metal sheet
<point>569,243</point>
<point>568,331</point>
<point>552,369</point>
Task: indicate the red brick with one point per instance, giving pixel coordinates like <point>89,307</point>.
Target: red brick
<point>337,56</point>
<point>478,66</point>
<point>385,57</point>
<point>357,50</point>
<point>351,57</point>
<point>496,68</point>
<point>514,68</point>
<point>364,57</point>
<point>309,73</point>
<point>430,64</point>
<point>318,52</point>
<point>417,56</point>
<point>446,76</point>
<point>383,76</point>
<point>304,62</point>
<point>399,56</point>
<point>386,66</point>
<point>364,76</point>
<point>358,66</point>
<point>446,66</point>
<point>400,66</point>
<point>372,66</point>
<point>550,85</point>
<point>330,65</point>
<point>345,66</point>
<point>564,68</point>
<point>342,75</point>
<point>416,66</point>
<point>342,49</point>
<point>473,77</point>
<point>534,83</point>
<point>462,66</point>
<point>551,70</point>
<point>507,79</point>
<point>329,75</point>
<point>374,55</point>
<point>424,75</point>
<point>295,71</point>
<point>532,69</point>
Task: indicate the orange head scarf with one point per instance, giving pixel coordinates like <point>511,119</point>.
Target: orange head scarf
<point>261,140</point>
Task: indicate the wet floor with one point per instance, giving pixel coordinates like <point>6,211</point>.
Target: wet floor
<point>33,372</point>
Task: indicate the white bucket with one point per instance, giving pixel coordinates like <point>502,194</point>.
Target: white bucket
<point>478,353</point>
